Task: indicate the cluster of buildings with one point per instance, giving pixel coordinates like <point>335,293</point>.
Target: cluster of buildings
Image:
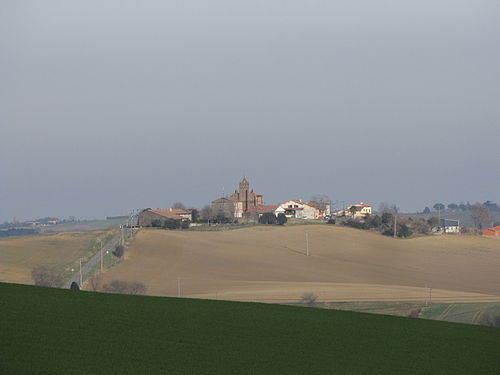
<point>246,205</point>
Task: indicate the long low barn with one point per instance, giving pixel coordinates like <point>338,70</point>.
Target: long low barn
<point>150,217</point>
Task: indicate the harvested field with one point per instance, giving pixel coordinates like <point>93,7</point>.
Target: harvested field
<point>19,255</point>
<point>269,264</point>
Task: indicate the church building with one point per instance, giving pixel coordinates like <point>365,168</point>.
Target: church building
<point>240,202</point>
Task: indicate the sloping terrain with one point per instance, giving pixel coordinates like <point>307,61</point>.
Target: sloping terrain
<point>19,255</point>
<point>55,331</point>
<point>270,264</point>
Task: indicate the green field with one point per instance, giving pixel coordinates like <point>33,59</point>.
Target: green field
<point>59,331</point>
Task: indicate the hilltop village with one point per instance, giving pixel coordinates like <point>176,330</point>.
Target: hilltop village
<point>247,206</point>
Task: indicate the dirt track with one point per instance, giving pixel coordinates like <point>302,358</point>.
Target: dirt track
<point>269,264</point>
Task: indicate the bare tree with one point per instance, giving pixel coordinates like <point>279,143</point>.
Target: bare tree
<point>123,287</point>
<point>309,299</point>
<point>206,213</point>
<point>95,283</point>
<point>321,201</point>
<point>179,205</point>
<point>44,276</point>
<point>386,207</point>
<point>480,215</point>
<point>116,286</point>
<point>137,288</point>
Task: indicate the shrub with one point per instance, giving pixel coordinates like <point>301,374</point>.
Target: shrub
<point>414,314</point>
<point>354,224</point>
<point>156,223</point>
<point>122,287</point>
<point>44,276</point>
<point>387,218</point>
<point>309,299</point>
<point>331,221</point>
<point>268,218</point>
<point>172,224</point>
<point>137,288</point>
<point>282,219</point>
<point>119,251</point>
<point>116,286</point>
<point>74,286</point>
<point>404,231</point>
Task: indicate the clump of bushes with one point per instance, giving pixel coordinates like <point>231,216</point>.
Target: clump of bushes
<point>282,219</point>
<point>170,224</point>
<point>45,276</point>
<point>405,226</point>
<point>123,287</point>
<point>414,313</point>
<point>119,251</point>
<point>309,299</point>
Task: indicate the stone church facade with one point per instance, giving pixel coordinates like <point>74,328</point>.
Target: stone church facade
<point>240,202</point>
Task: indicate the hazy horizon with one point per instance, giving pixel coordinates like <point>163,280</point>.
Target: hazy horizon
<point>118,105</point>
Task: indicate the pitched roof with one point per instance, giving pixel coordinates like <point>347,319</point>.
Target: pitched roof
<point>172,213</point>
<point>298,201</point>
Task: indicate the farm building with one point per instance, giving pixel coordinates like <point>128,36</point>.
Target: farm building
<point>300,210</point>
<point>148,216</point>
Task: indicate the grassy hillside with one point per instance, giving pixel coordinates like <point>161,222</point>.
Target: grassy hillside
<point>19,255</point>
<point>269,264</point>
<point>60,331</point>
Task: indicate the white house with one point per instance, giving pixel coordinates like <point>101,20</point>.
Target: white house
<point>449,226</point>
<point>356,211</point>
<point>299,209</point>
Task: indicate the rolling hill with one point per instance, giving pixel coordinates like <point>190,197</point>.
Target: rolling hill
<point>61,251</point>
<point>269,264</point>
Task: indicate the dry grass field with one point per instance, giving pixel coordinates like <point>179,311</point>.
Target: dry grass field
<point>19,255</point>
<point>269,264</point>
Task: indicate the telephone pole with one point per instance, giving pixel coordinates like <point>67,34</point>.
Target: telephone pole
<point>395,225</point>
<point>307,243</point>
<point>123,239</point>
<point>101,259</point>
<point>81,276</point>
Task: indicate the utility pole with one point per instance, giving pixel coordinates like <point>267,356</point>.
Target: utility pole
<point>101,259</point>
<point>430,295</point>
<point>123,239</point>
<point>395,225</point>
<point>307,243</point>
<point>178,287</point>
<point>439,218</point>
<point>81,276</point>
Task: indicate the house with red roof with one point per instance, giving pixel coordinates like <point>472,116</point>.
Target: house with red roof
<point>299,210</point>
<point>494,232</point>
<point>359,210</point>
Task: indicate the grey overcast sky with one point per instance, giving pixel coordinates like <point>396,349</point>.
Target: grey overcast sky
<point>108,106</point>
